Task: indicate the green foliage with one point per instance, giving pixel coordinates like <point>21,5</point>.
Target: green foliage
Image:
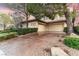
<point>55,8</point>
<point>65,29</point>
<point>73,14</point>
<point>76,29</point>
<point>40,9</point>
<point>49,10</point>
<point>72,42</point>
<point>36,9</point>
<point>5,18</point>
<point>22,31</point>
<point>11,33</point>
<point>5,36</point>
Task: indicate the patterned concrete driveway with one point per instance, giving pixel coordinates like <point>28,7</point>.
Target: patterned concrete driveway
<point>32,44</point>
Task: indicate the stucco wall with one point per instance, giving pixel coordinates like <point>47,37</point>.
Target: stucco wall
<point>41,28</point>
<point>52,27</point>
<point>55,27</point>
<point>31,25</point>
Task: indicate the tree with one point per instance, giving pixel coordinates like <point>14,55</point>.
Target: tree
<point>22,7</point>
<point>50,10</point>
<point>36,10</point>
<point>73,15</point>
<point>5,19</point>
<point>17,17</point>
<point>69,23</point>
<point>70,16</point>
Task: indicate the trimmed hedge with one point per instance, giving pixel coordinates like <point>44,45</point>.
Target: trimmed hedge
<point>22,31</point>
<point>10,33</point>
<point>72,42</point>
<point>5,36</point>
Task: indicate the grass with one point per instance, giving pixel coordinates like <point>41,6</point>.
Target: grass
<point>72,42</point>
<point>5,36</point>
<point>11,33</point>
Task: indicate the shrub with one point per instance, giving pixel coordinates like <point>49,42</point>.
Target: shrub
<point>65,29</point>
<point>72,42</point>
<point>5,36</point>
<point>22,31</point>
<point>76,29</point>
<point>10,33</point>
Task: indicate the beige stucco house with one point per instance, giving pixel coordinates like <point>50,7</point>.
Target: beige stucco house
<point>46,24</point>
<point>32,22</point>
<point>52,26</point>
<point>57,24</point>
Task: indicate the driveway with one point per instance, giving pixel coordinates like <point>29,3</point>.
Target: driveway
<point>34,44</point>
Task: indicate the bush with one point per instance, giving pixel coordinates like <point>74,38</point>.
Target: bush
<point>72,42</point>
<point>65,29</point>
<point>5,36</point>
<point>22,31</point>
<point>76,29</point>
<point>10,33</point>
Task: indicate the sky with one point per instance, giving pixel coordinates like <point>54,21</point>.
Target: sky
<point>4,9</point>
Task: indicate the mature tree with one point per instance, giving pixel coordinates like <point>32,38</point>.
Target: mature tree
<point>73,16</point>
<point>36,10</point>
<point>18,18</point>
<point>50,10</point>
<point>5,19</point>
<point>70,16</point>
<point>41,10</point>
<point>22,7</point>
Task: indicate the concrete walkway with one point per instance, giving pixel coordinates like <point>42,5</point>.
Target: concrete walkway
<point>34,45</point>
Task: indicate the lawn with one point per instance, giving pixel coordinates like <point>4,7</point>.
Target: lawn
<point>72,42</point>
<point>5,36</point>
<point>11,33</point>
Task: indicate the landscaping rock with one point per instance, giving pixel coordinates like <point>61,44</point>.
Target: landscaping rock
<point>56,51</point>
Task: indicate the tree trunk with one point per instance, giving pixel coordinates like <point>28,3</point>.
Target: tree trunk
<point>73,21</point>
<point>69,23</point>
<point>20,25</point>
<point>26,13</point>
<point>4,26</point>
<point>26,20</point>
<point>70,27</point>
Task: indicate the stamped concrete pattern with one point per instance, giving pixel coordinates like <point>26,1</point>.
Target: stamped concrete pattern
<point>34,44</point>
